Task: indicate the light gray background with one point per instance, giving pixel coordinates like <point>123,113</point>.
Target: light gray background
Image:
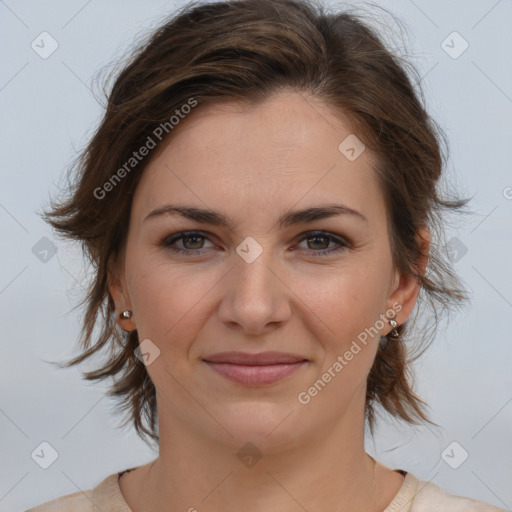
<point>48,112</point>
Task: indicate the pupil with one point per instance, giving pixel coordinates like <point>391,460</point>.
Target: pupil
<point>189,237</point>
<point>319,238</point>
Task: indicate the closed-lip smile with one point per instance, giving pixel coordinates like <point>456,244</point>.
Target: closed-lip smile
<point>255,369</point>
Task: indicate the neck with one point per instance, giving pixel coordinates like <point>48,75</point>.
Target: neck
<point>328,471</point>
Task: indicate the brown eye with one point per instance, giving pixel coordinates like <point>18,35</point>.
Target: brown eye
<point>192,242</point>
<point>318,243</point>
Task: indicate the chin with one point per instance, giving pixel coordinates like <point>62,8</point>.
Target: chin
<point>269,426</point>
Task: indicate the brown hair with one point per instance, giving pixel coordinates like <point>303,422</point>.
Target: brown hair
<point>246,50</point>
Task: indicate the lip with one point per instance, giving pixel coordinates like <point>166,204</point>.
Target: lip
<point>255,369</point>
<point>255,359</point>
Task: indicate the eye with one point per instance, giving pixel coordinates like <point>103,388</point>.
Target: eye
<point>320,239</point>
<point>193,242</point>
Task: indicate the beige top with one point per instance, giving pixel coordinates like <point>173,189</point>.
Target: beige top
<point>413,496</point>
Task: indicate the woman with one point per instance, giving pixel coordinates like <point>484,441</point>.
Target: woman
<point>260,203</point>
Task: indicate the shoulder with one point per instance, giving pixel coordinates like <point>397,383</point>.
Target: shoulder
<point>431,498</point>
<point>105,496</point>
<point>76,502</point>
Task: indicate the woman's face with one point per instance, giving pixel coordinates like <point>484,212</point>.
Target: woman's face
<point>253,284</point>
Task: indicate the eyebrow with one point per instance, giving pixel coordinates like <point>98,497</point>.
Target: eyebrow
<point>214,218</point>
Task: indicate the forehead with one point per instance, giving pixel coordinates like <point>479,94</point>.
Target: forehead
<point>279,153</point>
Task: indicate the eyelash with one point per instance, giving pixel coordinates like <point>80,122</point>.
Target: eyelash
<point>343,245</point>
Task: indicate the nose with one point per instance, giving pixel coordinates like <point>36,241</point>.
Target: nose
<point>256,297</point>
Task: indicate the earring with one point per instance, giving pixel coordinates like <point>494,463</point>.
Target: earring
<point>394,332</point>
<point>126,314</point>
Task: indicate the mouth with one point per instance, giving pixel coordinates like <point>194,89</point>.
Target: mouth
<point>255,369</point>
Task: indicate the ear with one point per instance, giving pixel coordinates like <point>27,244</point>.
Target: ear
<point>119,292</point>
<point>406,287</point>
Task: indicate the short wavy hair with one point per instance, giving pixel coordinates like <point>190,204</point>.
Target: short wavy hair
<point>247,50</point>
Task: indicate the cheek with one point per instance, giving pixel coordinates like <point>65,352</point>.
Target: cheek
<point>348,301</point>
<point>166,305</point>
<point>170,301</point>
<point>164,302</point>
<point>350,304</point>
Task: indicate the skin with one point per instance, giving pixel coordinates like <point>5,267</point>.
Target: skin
<point>253,164</point>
